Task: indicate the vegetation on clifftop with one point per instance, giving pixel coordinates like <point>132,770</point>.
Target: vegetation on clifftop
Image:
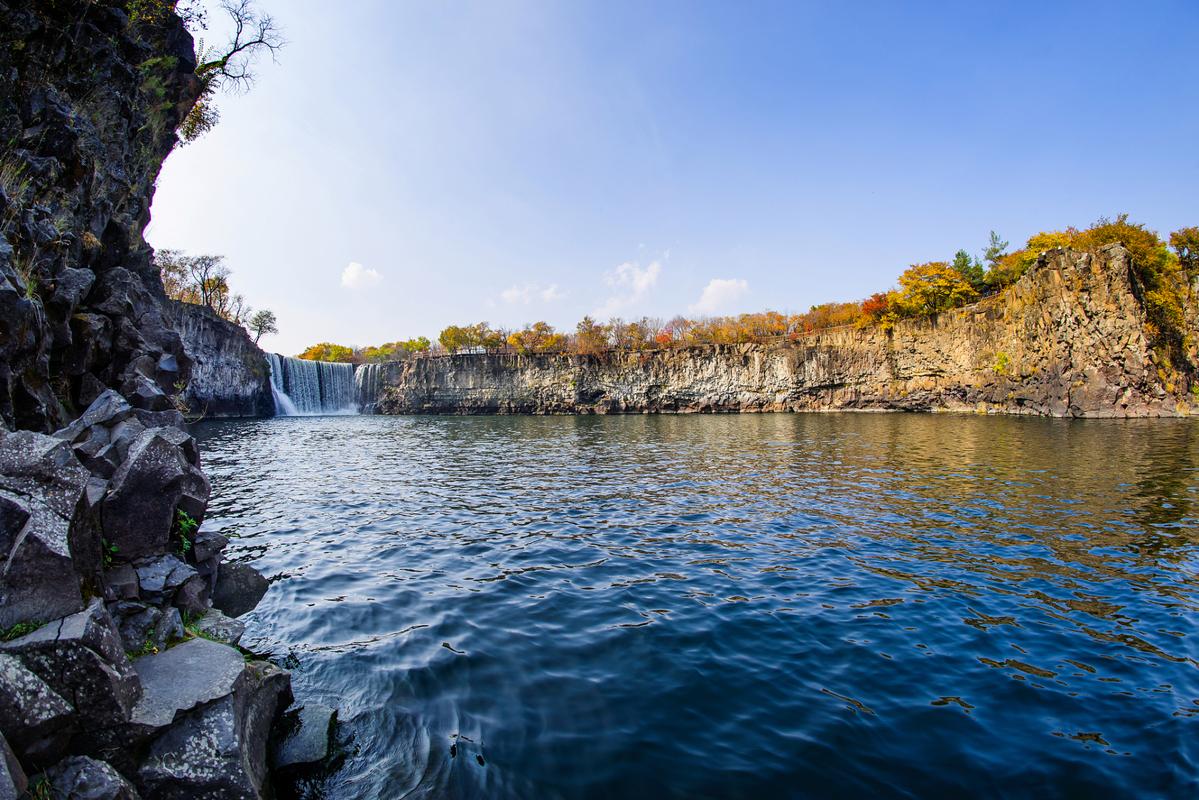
<point>1162,271</point>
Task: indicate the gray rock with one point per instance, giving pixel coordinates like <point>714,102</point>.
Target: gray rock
<point>145,628</point>
<point>121,581</point>
<point>192,597</point>
<point>307,742</point>
<point>42,481</point>
<point>154,481</point>
<point>184,677</point>
<point>208,544</point>
<point>83,778</point>
<point>159,419</point>
<point>104,412</point>
<point>219,749</point>
<point>82,659</point>
<point>35,719</point>
<point>160,578</point>
<point>12,777</point>
<point>239,588</point>
<point>216,625</point>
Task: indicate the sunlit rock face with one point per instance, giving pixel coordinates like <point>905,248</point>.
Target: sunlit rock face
<point>1070,338</point>
<point>230,376</point>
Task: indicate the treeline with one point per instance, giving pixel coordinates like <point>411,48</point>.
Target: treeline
<point>1163,268</point>
<point>204,281</point>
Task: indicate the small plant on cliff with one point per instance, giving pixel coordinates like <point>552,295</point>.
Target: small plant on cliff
<point>185,528</point>
<point>1185,242</point>
<point>1001,364</point>
<point>109,551</point>
<point>19,630</point>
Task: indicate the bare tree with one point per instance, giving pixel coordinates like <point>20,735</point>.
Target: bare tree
<point>230,67</point>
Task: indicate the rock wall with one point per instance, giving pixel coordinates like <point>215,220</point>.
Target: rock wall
<point>1068,339</point>
<point>89,103</point>
<point>229,373</point>
<point>120,676</point>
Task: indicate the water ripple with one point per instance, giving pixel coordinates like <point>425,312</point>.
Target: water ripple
<point>754,606</point>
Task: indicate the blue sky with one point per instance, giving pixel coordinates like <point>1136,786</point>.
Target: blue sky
<point>410,165</point>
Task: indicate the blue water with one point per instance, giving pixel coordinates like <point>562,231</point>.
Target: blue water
<point>748,606</point>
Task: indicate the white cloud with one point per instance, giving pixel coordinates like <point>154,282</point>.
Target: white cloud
<point>524,294</point>
<point>355,276</point>
<point>719,294</point>
<point>632,283</point>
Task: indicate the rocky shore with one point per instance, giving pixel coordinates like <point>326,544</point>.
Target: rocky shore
<point>121,674</point>
<point>1069,339</point>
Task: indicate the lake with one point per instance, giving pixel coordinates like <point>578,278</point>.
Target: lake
<point>824,605</point>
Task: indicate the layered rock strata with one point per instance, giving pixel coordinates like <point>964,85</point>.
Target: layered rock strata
<point>1070,338</point>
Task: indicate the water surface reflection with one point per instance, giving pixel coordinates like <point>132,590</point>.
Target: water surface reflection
<point>736,606</point>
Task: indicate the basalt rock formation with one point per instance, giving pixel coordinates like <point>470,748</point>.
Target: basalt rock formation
<point>230,376</point>
<point>107,577</point>
<point>1070,338</point>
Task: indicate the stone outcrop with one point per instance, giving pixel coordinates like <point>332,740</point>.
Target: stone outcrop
<point>229,373</point>
<point>105,689</point>
<point>89,103</point>
<point>1068,339</point>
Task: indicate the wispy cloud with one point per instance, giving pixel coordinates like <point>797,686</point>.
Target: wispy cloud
<point>528,293</point>
<point>356,276</point>
<point>719,294</point>
<point>631,283</point>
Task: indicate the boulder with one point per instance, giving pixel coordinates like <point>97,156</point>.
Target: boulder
<point>155,480</point>
<point>239,588</point>
<point>83,778</point>
<point>216,625</point>
<point>192,597</point>
<point>120,582</point>
<point>219,749</point>
<point>13,782</point>
<point>104,412</point>
<point>82,659</point>
<point>144,627</point>
<point>188,675</point>
<point>35,719</point>
<point>41,482</point>
<point>309,732</point>
<point>159,578</point>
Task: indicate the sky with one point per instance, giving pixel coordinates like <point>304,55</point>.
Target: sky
<point>409,165</point>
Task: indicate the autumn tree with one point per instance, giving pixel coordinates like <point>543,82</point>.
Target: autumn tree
<point>263,322</point>
<point>927,289</point>
<point>591,338</point>
<point>1185,242</point>
<point>540,337</point>
<point>327,351</point>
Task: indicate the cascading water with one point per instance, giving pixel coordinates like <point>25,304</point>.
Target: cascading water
<point>303,387</point>
<point>367,378</point>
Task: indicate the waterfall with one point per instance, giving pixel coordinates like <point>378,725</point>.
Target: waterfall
<point>366,386</point>
<point>302,387</point>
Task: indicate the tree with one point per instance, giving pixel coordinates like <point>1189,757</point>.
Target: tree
<point>927,289</point>
<point>540,337</point>
<point>591,338</point>
<point>230,68</point>
<point>327,351</point>
<point>970,268</point>
<point>1185,242</point>
<point>263,322</point>
<point>995,251</point>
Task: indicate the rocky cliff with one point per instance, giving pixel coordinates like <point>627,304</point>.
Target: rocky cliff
<point>230,376</point>
<point>1069,339</point>
<point>119,675</point>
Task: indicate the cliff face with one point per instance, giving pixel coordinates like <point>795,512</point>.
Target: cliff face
<point>1069,339</point>
<point>89,102</point>
<point>229,374</point>
<point>103,691</point>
